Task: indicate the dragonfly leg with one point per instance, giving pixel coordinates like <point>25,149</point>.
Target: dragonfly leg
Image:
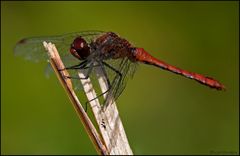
<point>96,97</point>
<point>86,76</point>
<point>119,81</point>
<point>92,66</point>
<point>108,85</point>
<point>78,66</point>
<point>108,82</point>
<point>111,94</point>
<point>105,74</point>
<point>112,68</point>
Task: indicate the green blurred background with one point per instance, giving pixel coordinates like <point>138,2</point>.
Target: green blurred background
<point>163,113</point>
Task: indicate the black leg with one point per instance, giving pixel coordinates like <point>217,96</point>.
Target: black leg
<point>118,81</point>
<point>89,67</point>
<point>105,75</point>
<point>83,66</point>
<point>112,68</point>
<point>87,74</point>
<point>115,70</point>
<point>97,97</point>
<point>109,86</point>
<point>78,66</point>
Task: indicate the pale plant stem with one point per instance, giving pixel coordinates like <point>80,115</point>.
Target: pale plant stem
<point>112,139</point>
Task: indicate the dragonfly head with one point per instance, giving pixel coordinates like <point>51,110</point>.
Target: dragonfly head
<point>79,48</point>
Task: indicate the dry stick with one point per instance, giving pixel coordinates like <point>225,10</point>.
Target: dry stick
<point>57,65</point>
<point>108,120</point>
<point>118,139</point>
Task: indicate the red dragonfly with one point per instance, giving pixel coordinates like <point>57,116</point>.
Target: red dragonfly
<point>106,50</point>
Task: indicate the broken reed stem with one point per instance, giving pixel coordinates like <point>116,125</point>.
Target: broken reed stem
<point>108,120</point>
<point>118,142</point>
<point>57,65</point>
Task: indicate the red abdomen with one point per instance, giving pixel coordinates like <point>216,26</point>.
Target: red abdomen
<point>142,56</point>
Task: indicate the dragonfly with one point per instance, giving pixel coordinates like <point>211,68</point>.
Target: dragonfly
<point>107,51</point>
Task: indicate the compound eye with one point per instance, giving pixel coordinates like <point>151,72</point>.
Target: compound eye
<point>79,48</point>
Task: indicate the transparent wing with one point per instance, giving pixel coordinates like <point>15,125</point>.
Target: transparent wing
<point>32,48</point>
<point>118,82</point>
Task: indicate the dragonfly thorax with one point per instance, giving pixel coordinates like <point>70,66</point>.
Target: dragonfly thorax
<point>111,46</point>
